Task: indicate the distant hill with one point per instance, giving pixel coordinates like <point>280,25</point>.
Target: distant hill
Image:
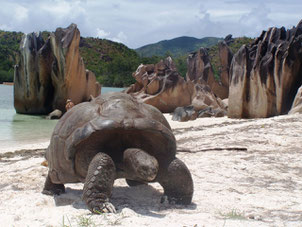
<point>176,47</point>
<point>112,62</point>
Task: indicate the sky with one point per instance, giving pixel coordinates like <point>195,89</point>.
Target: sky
<point>140,22</point>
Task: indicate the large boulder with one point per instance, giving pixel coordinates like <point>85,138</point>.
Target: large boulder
<point>160,85</point>
<point>33,89</point>
<point>56,114</point>
<point>184,113</point>
<point>49,73</point>
<point>266,75</point>
<point>200,70</point>
<point>204,104</point>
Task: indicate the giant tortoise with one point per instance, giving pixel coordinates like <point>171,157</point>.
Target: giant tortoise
<point>113,136</point>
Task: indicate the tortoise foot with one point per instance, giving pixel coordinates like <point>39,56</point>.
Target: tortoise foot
<point>98,184</point>
<point>177,183</point>
<point>99,206</point>
<point>52,189</point>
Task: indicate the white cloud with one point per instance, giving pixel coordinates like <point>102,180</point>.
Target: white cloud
<point>257,18</point>
<point>136,23</point>
<point>5,27</point>
<point>21,13</point>
<point>100,33</point>
<point>121,37</point>
<point>62,8</point>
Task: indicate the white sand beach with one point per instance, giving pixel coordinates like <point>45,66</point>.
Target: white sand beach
<point>245,173</point>
<point>29,145</point>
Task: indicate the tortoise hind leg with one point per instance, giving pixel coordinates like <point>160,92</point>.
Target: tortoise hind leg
<point>98,184</point>
<point>51,188</point>
<point>177,183</point>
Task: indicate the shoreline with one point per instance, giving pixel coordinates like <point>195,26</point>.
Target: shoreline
<point>26,146</point>
<point>256,186</point>
<point>8,83</point>
<point>176,126</point>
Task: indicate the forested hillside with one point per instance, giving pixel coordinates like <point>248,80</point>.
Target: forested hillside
<point>9,45</point>
<point>180,47</point>
<point>176,47</point>
<point>113,63</point>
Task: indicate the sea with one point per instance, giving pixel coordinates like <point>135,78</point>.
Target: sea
<point>20,130</point>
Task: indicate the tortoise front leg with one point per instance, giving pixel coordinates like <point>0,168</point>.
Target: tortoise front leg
<point>177,183</point>
<point>98,184</point>
<point>51,188</point>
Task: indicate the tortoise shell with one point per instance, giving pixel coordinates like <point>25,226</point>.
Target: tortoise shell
<point>109,123</point>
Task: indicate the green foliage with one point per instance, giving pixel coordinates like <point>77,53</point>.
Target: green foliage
<point>239,42</point>
<point>176,47</point>
<point>63,222</point>
<point>84,221</point>
<point>9,46</point>
<point>113,63</point>
<point>233,214</point>
<point>6,76</point>
<point>45,35</point>
<point>234,46</point>
<point>181,65</point>
<point>150,60</point>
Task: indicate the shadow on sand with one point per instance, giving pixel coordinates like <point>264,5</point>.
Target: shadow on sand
<point>142,199</point>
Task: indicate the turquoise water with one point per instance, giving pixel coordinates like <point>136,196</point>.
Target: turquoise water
<point>19,129</point>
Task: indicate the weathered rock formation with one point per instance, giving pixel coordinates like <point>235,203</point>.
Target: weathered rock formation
<point>204,104</point>
<point>33,89</point>
<point>266,75</point>
<point>184,113</point>
<point>229,39</point>
<point>297,104</point>
<point>204,98</point>
<point>161,86</point>
<point>200,69</point>
<point>50,73</point>
<point>225,56</point>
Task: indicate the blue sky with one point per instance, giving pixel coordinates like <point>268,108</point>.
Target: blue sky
<point>139,22</point>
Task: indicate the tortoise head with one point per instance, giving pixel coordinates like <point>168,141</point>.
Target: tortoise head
<point>140,164</point>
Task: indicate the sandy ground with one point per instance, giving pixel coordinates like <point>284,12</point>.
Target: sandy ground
<point>42,144</point>
<point>245,172</point>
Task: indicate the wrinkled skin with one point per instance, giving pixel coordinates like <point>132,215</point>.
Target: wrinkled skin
<point>113,137</point>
